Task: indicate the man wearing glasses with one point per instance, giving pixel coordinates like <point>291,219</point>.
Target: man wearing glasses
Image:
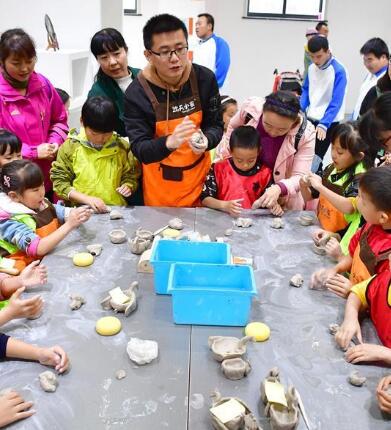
<point>172,116</point>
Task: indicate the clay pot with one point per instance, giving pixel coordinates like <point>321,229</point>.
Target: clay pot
<point>235,368</point>
<point>117,236</point>
<point>224,347</point>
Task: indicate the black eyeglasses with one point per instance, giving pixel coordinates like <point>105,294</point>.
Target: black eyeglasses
<point>166,55</point>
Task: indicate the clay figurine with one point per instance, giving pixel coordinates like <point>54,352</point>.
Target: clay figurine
<point>356,379</point>
<point>142,351</point>
<point>138,245</point>
<point>117,236</point>
<point>115,214</point>
<point>144,234</point>
<point>48,381</point>
<point>306,219</point>
<point>122,300</point>
<point>95,249</point>
<point>272,376</point>
<point>296,281</point>
<point>284,418</point>
<point>243,222</point>
<point>120,374</point>
<point>244,421</point>
<point>224,347</point>
<point>333,328</point>
<point>77,301</point>
<point>277,223</point>
<point>235,368</point>
<point>176,223</point>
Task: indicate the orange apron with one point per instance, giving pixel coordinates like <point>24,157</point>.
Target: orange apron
<point>178,179</point>
<point>47,223</point>
<point>364,259</point>
<point>330,218</point>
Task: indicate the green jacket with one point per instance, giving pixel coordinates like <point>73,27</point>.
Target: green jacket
<point>108,87</point>
<point>95,172</point>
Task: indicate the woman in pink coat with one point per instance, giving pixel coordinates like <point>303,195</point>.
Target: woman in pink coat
<point>29,105</point>
<point>287,142</point>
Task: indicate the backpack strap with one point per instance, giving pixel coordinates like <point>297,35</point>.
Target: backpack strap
<point>300,132</point>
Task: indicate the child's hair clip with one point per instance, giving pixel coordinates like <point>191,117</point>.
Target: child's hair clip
<point>7,181</point>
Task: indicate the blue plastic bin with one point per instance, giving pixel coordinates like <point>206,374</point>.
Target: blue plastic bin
<point>210,294</point>
<point>167,252</point>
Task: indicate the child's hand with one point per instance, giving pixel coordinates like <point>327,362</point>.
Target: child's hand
<point>13,408</point>
<point>320,278</point>
<point>233,207</point>
<point>320,133</point>
<point>54,356</point>
<point>367,352</point>
<point>124,190</point>
<point>348,329</point>
<point>45,151</point>
<point>269,198</point>
<point>333,249</point>
<point>339,285</point>
<point>383,398</point>
<point>277,210</point>
<point>34,274</point>
<point>78,216</point>
<point>28,308</point>
<point>319,235</point>
<point>97,205</point>
<point>315,181</point>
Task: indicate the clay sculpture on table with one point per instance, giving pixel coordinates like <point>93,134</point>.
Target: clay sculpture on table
<point>242,418</point>
<point>176,224</point>
<point>320,247</point>
<point>296,281</point>
<point>77,301</point>
<point>142,351</point>
<point>356,379</point>
<point>228,232</point>
<point>120,374</point>
<point>272,376</point>
<point>95,249</point>
<point>139,245</point>
<point>243,222</point>
<point>235,368</point>
<point>122,300</point>
<point>306,219</point>
<point>117,236</point>
<point>277,223</point>
<point>333,328</point>
<point>282,417</point>
<point>115,214</point>
<point>224,347</point>
<point>48,381</point>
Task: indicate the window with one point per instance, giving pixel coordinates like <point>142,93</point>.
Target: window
<point>130,7</point>
<point>286,9</point>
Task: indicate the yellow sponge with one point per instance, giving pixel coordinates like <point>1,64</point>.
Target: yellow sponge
<point>108,326</point>
<point>259,331</point>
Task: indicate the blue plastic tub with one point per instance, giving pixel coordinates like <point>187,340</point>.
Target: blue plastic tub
<point>167,252</point>
<point>210,294</point>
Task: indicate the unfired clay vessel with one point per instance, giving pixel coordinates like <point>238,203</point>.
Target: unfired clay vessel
<point>117,236</point>
<point>306,219</point>
<point>296,281</point>
<point>176,223</point>
<point>285,418</point>
<point>142,351</point>
<point>356,379</point>
<point>95,249</point>
<point>224,347</point>
<point>246,421</point>
<point>128,307</point>
<point>142,233</point>
<point>77,301</point>
<point>272,376</point>
<point>235,368</point>
<point>243,222</point>
<point>48,381</point>
<point>277,223</point>
<point>138,245</point>
<point>115,214</point>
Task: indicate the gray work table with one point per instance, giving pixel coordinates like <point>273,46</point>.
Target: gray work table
<point>173,392</point>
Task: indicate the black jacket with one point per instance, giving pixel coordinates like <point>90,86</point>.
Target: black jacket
<point>140,118</point>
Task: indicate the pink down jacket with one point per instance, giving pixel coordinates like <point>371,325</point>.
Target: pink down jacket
<point>38,117</point>
<point>290,165</point>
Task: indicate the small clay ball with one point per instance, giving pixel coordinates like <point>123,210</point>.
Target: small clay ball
<point>120,374</point>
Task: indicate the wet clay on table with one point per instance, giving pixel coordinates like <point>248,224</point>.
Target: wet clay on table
<point>115,214</point>
<point>95,249</point>
<point>244,420</point>
<point>77,301</point>
<point>235,368</point>
<point>176,223</point>
<point>224,347</point>
<point>333,328</point>
<point>120,374</point>
<point>142,351</point>
<point>277,223</point>
<point>122,300</point>
<point>117,236</point>
<point>296,281</point>
<point>356,379</point>
<point>243,222</point>
<point>48,381</point>
<point>139,245</point>
<point>282,417</point>
<point>272,376</point>
<point>306,219</point>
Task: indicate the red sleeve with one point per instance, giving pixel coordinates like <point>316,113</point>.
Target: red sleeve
<point>354,241</point>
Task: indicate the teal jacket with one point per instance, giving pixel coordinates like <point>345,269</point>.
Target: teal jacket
<point>108,87</point>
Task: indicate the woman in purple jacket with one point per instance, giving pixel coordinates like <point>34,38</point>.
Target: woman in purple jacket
<point>29,105</point>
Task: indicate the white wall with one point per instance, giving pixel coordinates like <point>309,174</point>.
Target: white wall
<point>259,46</point>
